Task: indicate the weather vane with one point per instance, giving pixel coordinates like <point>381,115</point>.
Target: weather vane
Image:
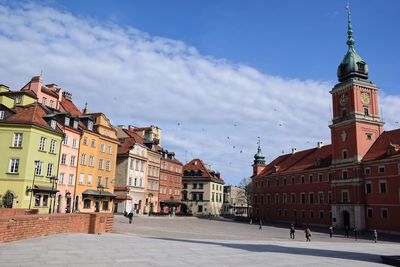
<point>258,141</point>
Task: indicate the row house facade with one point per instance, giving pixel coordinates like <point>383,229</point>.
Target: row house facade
<point>170,193</point>
<point>235,201</point>
<point>202,189</point>
<point>353,182</point>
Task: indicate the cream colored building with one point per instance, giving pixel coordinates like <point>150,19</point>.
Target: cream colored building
<point>202,190</point>
<point>235,201</point>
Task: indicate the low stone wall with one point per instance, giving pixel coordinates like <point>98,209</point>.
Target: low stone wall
<point>13,212</point>
<point>19,227</point>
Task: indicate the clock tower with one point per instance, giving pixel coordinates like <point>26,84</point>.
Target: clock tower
<point>356,122</point>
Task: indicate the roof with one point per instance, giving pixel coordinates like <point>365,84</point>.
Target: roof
<point>386,146</point>
<point>313,158</point>
<point>198,165</point>
<point>97,193</point>
<point>68,106</point>
<point>128,143</point>
<point>31,114</point>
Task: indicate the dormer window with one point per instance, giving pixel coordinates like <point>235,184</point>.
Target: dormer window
<point>51,103</point>
<point>90,125</point>
<point>75,124</point>
<point>361,67</point>
<point>2,114</point>
<point>18,99</point>
<point>66,122</point>
<point>366,112</point>
<point>53,124</point>
<point>44,101</point>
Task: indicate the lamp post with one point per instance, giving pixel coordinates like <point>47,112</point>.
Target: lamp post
<point>33,182</point>
<point>52,180</point>
<point>150,204</point>
<point>100,188</point>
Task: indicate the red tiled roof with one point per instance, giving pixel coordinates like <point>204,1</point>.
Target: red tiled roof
<point>48,91</point>
<point>69,106</point>
<point>386,146</point>
<point>127,143</point>
<point>135,136</point>
<point>197,164</point>
<point>299,161</point>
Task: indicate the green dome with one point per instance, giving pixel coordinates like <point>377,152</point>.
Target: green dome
<point>259,157</point>
<point>352,64</point>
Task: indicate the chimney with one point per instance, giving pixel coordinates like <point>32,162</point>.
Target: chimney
<point>320,144</point>
<point>35,84</point>
<point>131,128</point>
<point>85,109</point>
<point>121,126</point>
<point>294,150</point>
<point>67,95</point>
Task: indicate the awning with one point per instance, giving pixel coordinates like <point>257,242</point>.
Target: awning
<point>44,189</point>
<point>97,193</point>
<point>123,197</point>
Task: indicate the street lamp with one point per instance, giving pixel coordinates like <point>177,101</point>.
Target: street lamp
<point>53,179</point>
<point>100,188</point>
<point>33,182</point>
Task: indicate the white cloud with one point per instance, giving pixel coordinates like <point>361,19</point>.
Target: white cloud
<point>140,79</point>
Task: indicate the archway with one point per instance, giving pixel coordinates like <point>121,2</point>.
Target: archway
<point>346,218</point>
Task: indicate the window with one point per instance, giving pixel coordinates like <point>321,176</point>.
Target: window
<point>86,203</point>
<point>368,188</point>
<point>71,179</point>
<point>1,114</point>
<point>135,182</point>
<point>195,186</point>
<point>344,113</point>
<point>53,124</point>
<point>311,198</point>
<point>50,168</point>
<point>44,101</point>
<point>102,148</point>
<point>200,186</point>
<point>293,197</point>
<point>52,103</point>
<point>140,182</point>
<point>63,159</point>
<point>321,214</point>
<point>75,125</point>
<point>345,196</point>
<point>18,100</point>
<point>303,214</point>
<point>277,182</point>
<point>73,160</point>
<point>82,179</point>
<point>321,177</point>
<point>99,181</point>
<point>66,121</point>
<point>90,125</point>
<point>292,179</point>
<point>101,164</point>
<point>83,159</point>
<point>106,182</point>
<point>384,213</point>
<point>109,150</point>
<point>321,197</point>
<point>366,112</point>
<point>91,161</point>
<point>344,175</point>
<point>381,169</point>
<point>330,199</point>
<point>65,141</point>
<point>85,141</point>
<point>311,214</point>
<point>14,165</point>
<point>89,179</point>
<point>137,165</point>
<point>141,166</point>
<point>37,200</point>
<point>61,178</point>
<point>93,144</point>
<point>284,200</point>
<point>130,181</point>
<point>367,170</point>
<point>303,198</point>
<point>42,143</point>
<point>53,144</point>
<point>74,143</point>
<point>302,179</point>
<point>345,154</point>
<point>382,187</point>
<point>105,205</point>
<point>311,178</point>
<point>17,142</point>
<point>369,136</point>
<point>369,212</point>
<point>38,168</point>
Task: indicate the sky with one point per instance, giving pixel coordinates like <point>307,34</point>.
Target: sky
<point>213,75</point>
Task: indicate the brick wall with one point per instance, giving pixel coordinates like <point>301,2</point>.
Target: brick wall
<point>13,212</point>
<point>17,227</point>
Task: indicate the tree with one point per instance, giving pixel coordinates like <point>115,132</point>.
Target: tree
<point>7,200</point>
<point>247,193</point>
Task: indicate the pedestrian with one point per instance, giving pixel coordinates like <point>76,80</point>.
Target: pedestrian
<point>292,231</point>
<point>330,231</point>
<point>355,233</point>
<point>260,224</point>
<point>130,216</point>
<point>375,236</point>
<point>307,232</point>
<point>346,231</point>
<point>251,221</point>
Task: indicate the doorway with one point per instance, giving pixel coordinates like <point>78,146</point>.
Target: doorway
<point>346,218</point>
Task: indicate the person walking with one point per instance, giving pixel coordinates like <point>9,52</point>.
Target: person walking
<point>260,224</point>
<point>292,231</point>
<point>307,232</point>
<point>346,231</point>
<point>355,233</point>
<point>375,236</point>
<point>330,231</point>
<point>130,216</point>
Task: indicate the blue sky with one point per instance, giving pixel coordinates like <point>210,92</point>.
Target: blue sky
<point>290,38</point>
<point>214,75</point>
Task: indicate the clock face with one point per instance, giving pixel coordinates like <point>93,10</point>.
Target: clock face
<point>343,99</point>
<point>365,98</point>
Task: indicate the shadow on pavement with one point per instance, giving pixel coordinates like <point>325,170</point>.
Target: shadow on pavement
<point>346,255</point>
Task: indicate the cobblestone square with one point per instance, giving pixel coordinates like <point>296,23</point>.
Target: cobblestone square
<point>175,241</point>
